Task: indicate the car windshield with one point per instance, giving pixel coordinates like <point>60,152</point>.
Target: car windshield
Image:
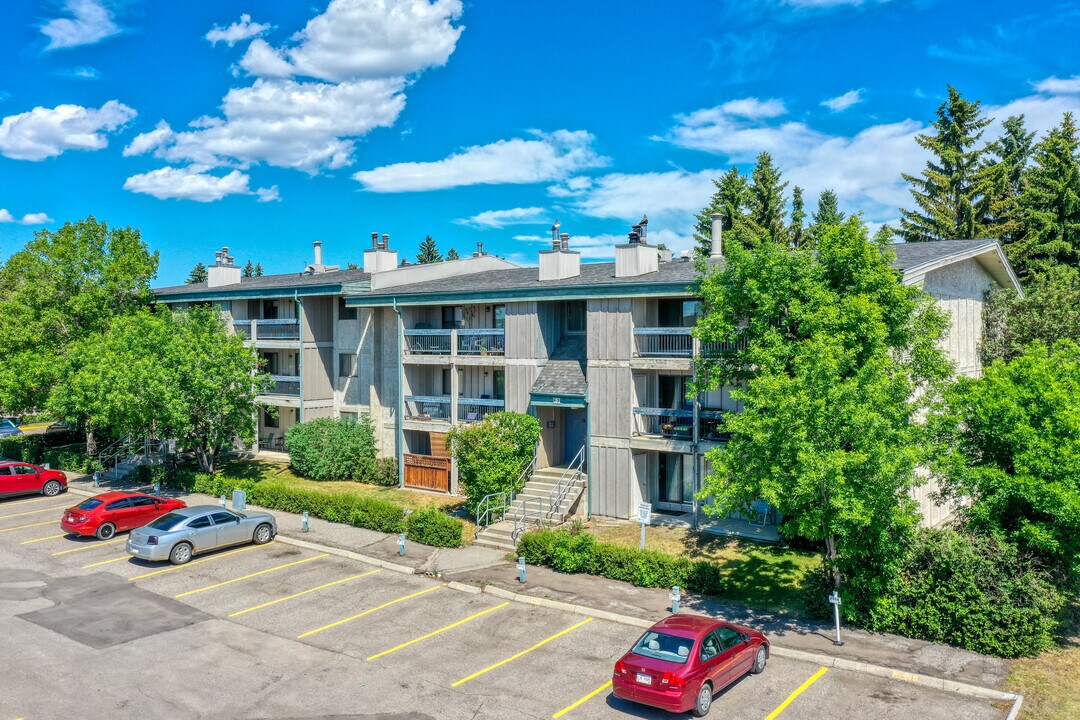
<point>664,647</point>
<point>168,521</point>
<point>7,424</point>
<point>89,504</point>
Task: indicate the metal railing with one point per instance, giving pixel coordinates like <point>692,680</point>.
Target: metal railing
<point>568,479</point>
<point>285,385</point>
<point>676,342</point>
<point>679,424</point>
<point>476,409</point>
<point>714,349</point>
<point>481,342</point>
<point>492,508</point>
<point>466,341</point>
<point>526,512</point>
<point>288,329</point>
<point>242,328</point>
<point>427,342</point>
<point>427,407</point>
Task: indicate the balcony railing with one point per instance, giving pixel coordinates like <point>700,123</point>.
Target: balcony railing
<point>476,409</point>
<point>473,341</point>
<point>285,385</point>
<point>427,407</point>
<point>256,330</point>
<point>481,342</point>
<point>679,424</point>
<point>714,349</point>
<point>672,342</point>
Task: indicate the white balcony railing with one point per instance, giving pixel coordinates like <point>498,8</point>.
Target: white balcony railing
<point>428,342</point>
<point>481,342</point>
<point>256,330</point>
<point>674,342</point>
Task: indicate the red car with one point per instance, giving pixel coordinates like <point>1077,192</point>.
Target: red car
<point>104,515</point>
<point>19,478</point>
<point>682,661</point>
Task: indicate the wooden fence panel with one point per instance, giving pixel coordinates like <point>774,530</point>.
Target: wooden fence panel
<point>427,473</point>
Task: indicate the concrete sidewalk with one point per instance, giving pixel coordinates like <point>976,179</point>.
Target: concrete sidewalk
<point>481,567</point>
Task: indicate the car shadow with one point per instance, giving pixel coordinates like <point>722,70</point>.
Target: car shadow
<point>629,707</point>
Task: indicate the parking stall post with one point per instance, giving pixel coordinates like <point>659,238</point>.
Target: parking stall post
<point>97,479</point>
<point>304,521</point>
<point>221,501</point>
<point>674,597</point>
<point>401,544</point>
<point>521,569</point>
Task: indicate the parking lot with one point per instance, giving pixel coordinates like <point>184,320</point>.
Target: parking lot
<point>276,631</point>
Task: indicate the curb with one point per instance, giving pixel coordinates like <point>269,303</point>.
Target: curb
<point>347,554</point>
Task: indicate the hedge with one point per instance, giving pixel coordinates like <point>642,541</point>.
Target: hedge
<point>60,450</point>
<point>376,514</point>
<point>70,457</point>
<point>332,449</point>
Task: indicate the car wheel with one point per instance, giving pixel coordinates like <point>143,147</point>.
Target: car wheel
<point>180,554</point>
<point>51,488</point>
<point>760,660</point>
<point>106,531</point>
<point>263,534</point>
<point>704,700</point>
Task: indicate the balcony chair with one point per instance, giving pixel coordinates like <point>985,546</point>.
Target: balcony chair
<point>761,513</point>
<point>267,443</point>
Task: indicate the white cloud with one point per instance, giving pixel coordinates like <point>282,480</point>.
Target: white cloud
<point>827,3</point>
<point>195,183</point>
<point>502,218</point>
<point>841,103</point>
<point>356,39</point>
<point>548,157</point>
<point>90,22</point>
<point>238,31</point>
<point>529,238</point>
<point>671,196</point>
<point>599,247</point>
<point>28,219</point>
<point>738,135</point>
<point>1054,85</point>
<point>43,132</point>
<point>753,108</point>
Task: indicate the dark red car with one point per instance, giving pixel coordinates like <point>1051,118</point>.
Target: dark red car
<point>20,478</point>
<point>682,661</point>
<point>108,513</point>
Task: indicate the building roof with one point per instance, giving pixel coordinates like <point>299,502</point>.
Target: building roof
<point>564,372</point>
<point>285,281</point>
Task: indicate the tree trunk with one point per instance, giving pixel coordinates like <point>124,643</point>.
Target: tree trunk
<point>830,553</point>
<point>91,442</point>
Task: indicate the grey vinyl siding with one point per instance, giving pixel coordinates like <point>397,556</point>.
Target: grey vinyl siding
<point>519,379</point>
<point>959,290</point>
<point>532,330</point>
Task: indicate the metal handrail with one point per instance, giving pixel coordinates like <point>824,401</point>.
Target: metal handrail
<point>487,508</point>
<point>522,515</point>
<point>558,493</point>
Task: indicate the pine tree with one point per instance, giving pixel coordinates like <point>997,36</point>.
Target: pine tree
<point>249,269</point>
<point>429,252</point>
<point>352,266</point>
<point>766,200</point>
<point>1050,205</point>
<point>258,270</point>
<point>828,210</point>
<point>198,275</point>
<point>798,217</point>
<point>1005,172</point>
<point>451,254</point>
<point>950,195</point>
<point>729,200</point>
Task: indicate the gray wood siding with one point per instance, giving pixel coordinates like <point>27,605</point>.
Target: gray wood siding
<point>532,330</point>
<point>959,290</point>
<point>318,319</point>
<point>610,329</point>
<point>611,399</point>
<point>609,476</point>
<point>318,372</point>
<point>519,380</point>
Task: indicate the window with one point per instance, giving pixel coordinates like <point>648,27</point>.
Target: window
<point>119,504</point>
<point>710,647</point>
<point>729,637</point>
<point>199,522</point>
<point>269,310</point>
<point>6,470</point>
<point>270,363</point>
<point>663,647</point>
<point>350,416</point>
<point>500,317</point>
<point>452,317</point>
<point>343,311</point>
<point>170,521</point>
<point>223,518</point>
<point>575,316</point>
<point>347,365</point>
<point>269,420</point>
<point>500,385</point>
<point>142,502</point>
<point>24,470</point>
<point>88,504</point>
<point>446,381</point>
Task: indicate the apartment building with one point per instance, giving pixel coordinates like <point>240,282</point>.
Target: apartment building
<point>601,353</point>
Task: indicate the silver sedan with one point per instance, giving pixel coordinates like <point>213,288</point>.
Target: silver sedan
<point>179,535</point>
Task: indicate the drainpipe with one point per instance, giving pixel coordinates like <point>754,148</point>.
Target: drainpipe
<point>300,357</point>
<point>588,455</point>
<point>400,399</point>
<point>696,350</point>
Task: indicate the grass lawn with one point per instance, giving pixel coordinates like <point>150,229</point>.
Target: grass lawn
<point>759,575</point>
<point>1050,682</point>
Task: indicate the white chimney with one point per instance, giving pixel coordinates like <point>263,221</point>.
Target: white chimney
<point>223,271</point>
<point>560,262</point>
<point>318,252</point>
<point>379,257</point>
<point>635,257</point>
<point>717,250</point>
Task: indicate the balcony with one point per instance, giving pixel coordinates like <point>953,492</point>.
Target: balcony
<point>268,330</point>
<point>679,424</point>
<point>667,342</point>
<point>285,385</point>
<point>476,409</point>
<point>427,407</point>
<point>471,342</point>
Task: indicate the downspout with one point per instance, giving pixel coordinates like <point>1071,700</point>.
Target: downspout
<point>300,357</point>
<point>588,455</point>
<point>400,430</point>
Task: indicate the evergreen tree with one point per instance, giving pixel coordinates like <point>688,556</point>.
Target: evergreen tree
<point>451,254</point>
<point>1005,172</point>
<point>1050,205</point>
<point>798,217</point>
<point>352,266</point>
<point>429,252</point>
<point>729,200</point>
<point>828,210</point>
<point>951,194</point>
<point>258,270</point>
<point>766,200</point>
<point>198,275</point>
<point>249,269</point>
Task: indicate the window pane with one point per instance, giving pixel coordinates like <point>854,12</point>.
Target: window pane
<point>500,316</point>
<point>200,522</point>
<point>346,365</point>
<point>575,316</point>
<point>664,647</point>
<point>221,518</point>
<point>345,312</point>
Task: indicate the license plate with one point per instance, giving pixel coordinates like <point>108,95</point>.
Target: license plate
<point>644,679</point>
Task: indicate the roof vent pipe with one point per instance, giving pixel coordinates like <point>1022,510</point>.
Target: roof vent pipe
<point>717,250</point>
<point>375,240</point>
<point>318,252</point>
<point>555,243</point>
<point>385,241</point>
<point>643,227</point>
<point>564,241</point>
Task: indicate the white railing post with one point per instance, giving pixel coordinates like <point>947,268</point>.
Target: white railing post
<point>254,330</point>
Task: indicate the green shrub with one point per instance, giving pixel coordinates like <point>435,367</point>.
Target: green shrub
<point>25,448</point>
<point>379,471</point>
<point>329,449</point>
<point>72,458</point>
<point>492,453</point>
<point>429,526</point>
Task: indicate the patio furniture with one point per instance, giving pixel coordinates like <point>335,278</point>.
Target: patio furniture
<point>267,443</point>
<point>761,514</point>
<point>279,443</point>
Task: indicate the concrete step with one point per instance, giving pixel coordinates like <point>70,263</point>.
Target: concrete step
<point>495,545</point>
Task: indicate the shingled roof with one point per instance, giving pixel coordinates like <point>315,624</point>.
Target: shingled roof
<point>270,282</point>
<point>564,373</point>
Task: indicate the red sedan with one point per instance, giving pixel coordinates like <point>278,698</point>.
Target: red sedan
<point>19,478</point>
<point>682,661</point>
<point>108,513</point>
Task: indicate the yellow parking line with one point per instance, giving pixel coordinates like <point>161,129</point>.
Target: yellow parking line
<point>366,612</point>
<point>25,502</point>
<point>440,630</point>
<point>255,574</point>
<point>32,512</point>
<point>49,537</point>
<point>305,592</point>
<point>790,698</point>
<point>582,701</point>
<point>540,644</point>
<point>23,527</point>
<point>88,546</point>
<point>196,562</point>
<point>107,562</point>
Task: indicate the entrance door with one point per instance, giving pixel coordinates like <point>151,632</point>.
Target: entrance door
<point>675,489</point>
<point>574,432</point>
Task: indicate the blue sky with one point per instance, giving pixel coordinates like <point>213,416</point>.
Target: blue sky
<point>266,125</point>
